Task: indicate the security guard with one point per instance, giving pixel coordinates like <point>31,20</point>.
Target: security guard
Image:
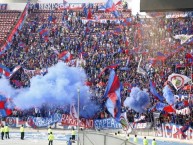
<point>2,131</point>
<point>73,134</point>
<point>154,142</point>
<point>50,138</point>
<point>22,132</point>
<point>145,141</point>
<point>49,130</point>
<point>69,141</point>
<point>135,139</point>
<point>128,138</point>
<point>6,132</point>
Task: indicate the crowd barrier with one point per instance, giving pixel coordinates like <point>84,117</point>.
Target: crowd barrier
<point>109,125</point>
<point>95,138</point>
<point>62,120</point>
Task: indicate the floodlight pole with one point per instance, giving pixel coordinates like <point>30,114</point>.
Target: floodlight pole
<point>78,90</point>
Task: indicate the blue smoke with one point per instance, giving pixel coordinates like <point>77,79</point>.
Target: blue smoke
<point>89,110</point>
<point>57,87</point>
<point>168,95</point>
<point>138,100</point>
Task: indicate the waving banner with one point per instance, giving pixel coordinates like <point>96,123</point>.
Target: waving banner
<point>178,80</point>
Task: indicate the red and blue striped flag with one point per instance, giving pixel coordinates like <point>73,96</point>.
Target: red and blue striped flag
<point>113,95</point>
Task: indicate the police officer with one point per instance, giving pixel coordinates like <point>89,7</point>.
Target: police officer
<point>22,132</point>
<point>73,134</point>
<point>50,138</point>
<point>70,141</point>
<point>135,139</point>
<point>145,141</point>
<point>49,130</point>
<point>2,131</point>
<point>128,138</point>
<point>154,142</point>
<point>119,134</point>
<point>6,132</point>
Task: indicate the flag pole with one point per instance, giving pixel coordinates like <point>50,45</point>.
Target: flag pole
<point>78,90</point>
<point>190,85</point>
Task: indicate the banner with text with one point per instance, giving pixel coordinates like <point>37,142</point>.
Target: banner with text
<point>110,123</point>
<point>174,131</point>
<point>3,6</point>
<point>44,121</point>
<point>68,120</point>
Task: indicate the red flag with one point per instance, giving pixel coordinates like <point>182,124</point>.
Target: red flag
<point>8,111</point>
<point>2,104</point>
<point>89,16</point>
<point>169,109</point>
<point>87,83</point>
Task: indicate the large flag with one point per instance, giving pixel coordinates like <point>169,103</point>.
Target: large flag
<point>65,56</point>
<point>184,38</point>
<point>154,91</point>
<point>178,80</point>
<point>110,6</point>
<point>113,95</point>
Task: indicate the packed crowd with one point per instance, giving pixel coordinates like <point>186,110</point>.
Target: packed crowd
<point>123,42</point>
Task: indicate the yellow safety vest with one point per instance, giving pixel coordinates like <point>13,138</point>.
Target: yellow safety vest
<point>2,129</point>
<point>21,129</point>
<point>154,143</point>
<point>73,132</point>
<point>49,130</point>
<point>135,140</point>
<point>145,142</point>
<point>51,137</point>
<point>128,138</point>
<point>6,129</point>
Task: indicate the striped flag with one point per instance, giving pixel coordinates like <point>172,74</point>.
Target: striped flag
<point>65,56</point>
